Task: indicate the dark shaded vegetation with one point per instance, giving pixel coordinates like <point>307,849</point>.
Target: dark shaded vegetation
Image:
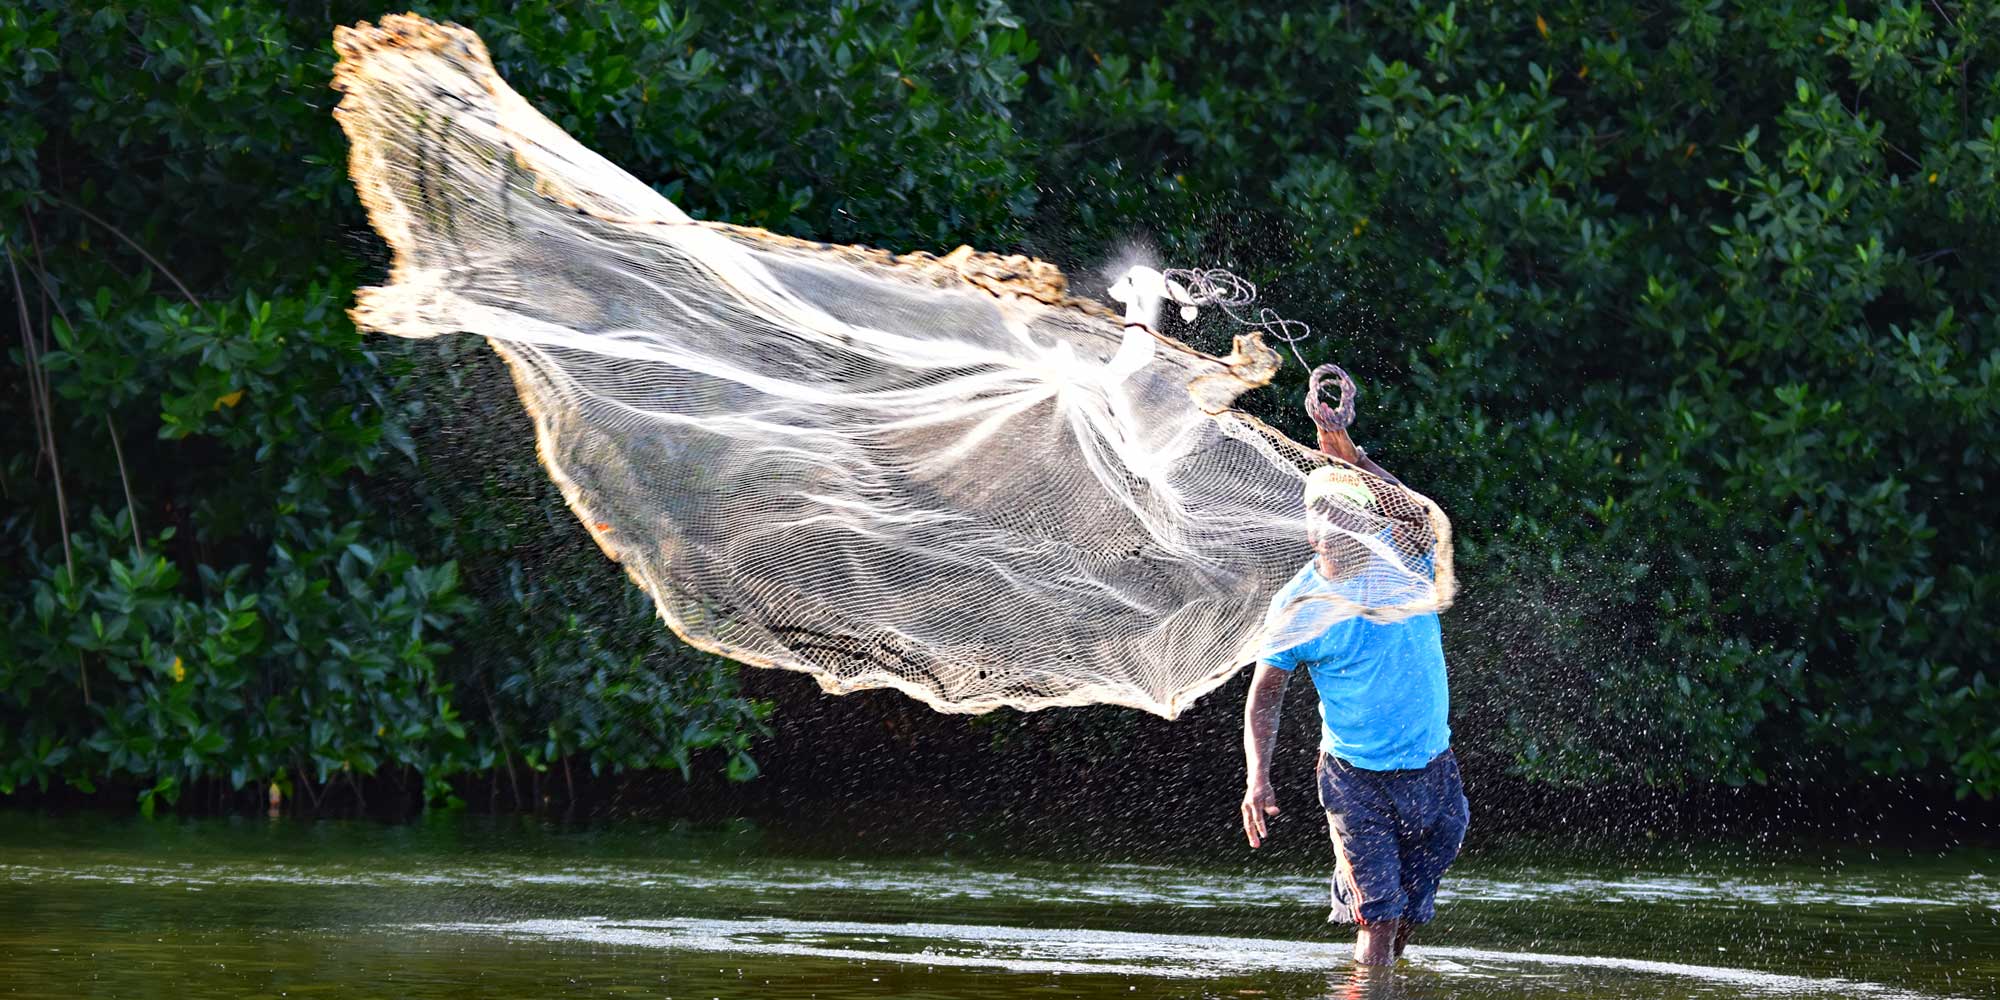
<point>1684,313</point>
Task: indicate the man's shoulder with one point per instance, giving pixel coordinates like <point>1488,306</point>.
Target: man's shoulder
<point>1302,582</point>
<point>1289,625</point>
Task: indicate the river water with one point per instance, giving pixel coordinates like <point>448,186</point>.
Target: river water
<point>464,907</point>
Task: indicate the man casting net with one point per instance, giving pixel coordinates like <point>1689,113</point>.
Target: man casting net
<point>938,474</point>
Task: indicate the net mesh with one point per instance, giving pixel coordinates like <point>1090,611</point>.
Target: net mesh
<point>942,475</point>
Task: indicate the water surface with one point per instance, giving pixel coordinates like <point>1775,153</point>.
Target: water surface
<point>459,907</point>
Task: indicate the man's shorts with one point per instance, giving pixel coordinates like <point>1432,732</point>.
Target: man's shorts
<point>1394,834</point>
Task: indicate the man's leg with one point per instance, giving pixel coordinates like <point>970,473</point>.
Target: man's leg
<point>1436,807</point>
<point>1367,878</point>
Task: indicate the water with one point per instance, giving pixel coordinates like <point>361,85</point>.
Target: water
<point>460,907</point>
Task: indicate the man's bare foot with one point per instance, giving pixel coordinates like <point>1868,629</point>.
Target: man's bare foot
<point>1378,944</point>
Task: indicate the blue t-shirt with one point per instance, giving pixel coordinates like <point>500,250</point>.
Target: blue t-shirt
<point>1382,696</point>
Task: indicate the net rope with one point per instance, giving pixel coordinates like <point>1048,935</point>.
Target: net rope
<point>943,475</point>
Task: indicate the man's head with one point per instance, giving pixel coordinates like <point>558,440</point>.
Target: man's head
<point>1339,510</point>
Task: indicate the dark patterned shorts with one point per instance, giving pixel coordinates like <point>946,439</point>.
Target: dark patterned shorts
<point>1394,834</point>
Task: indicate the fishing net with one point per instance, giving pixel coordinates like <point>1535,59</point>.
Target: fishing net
<point>943,475</point>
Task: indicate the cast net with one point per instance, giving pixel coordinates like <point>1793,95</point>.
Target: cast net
<point>942,475</point>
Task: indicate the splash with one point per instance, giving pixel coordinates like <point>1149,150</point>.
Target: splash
<point>1164,956</point>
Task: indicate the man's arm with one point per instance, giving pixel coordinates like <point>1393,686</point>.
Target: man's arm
<point>1341,446</point>
<point>1260,739</point>
<point>1368,465</point>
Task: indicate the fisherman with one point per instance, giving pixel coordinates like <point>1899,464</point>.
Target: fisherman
<point>1387,778</point>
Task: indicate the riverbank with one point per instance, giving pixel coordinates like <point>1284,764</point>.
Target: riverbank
<point>883,772</point>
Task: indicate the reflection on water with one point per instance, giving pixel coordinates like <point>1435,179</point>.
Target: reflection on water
<point>1162,956</point>
<point>456,908</point>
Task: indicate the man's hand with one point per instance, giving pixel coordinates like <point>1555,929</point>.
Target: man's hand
<point>1258,803</point>
<point>1260,737</point>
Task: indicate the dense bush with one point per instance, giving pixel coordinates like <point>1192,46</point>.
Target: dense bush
<point>1678,310</point>
<point>1681,311</point>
